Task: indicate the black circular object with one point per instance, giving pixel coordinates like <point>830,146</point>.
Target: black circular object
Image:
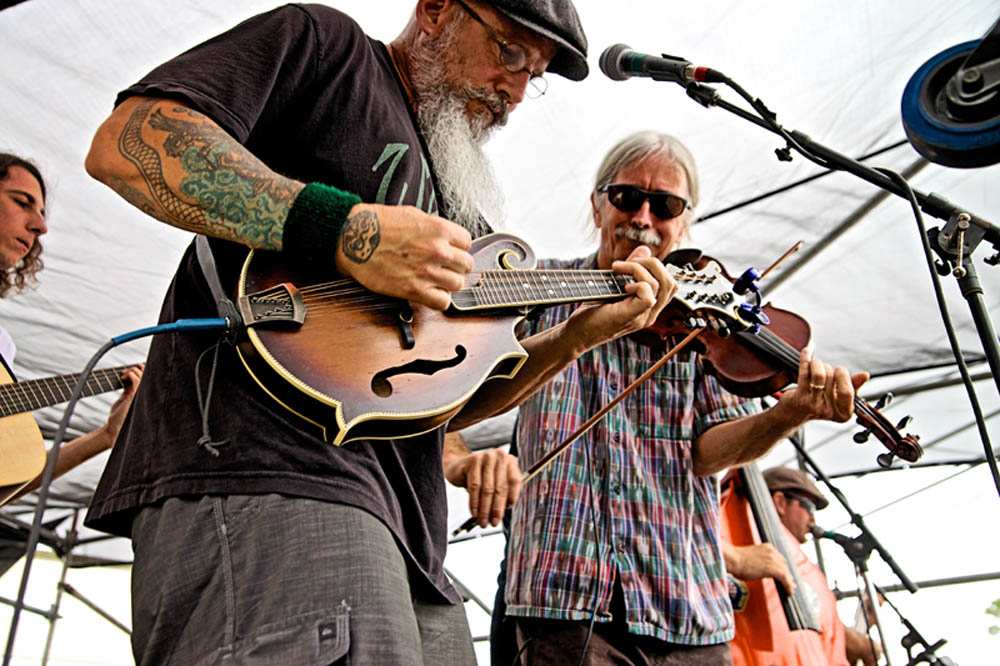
<point>957,135</point>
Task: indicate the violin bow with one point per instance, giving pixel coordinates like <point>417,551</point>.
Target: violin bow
<point>561,448</point>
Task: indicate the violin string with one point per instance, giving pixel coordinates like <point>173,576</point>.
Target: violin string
<point>786,352</point>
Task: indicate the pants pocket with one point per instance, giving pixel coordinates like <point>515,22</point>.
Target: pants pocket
<point>318,638</point>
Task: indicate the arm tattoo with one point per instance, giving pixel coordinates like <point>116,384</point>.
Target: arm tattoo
<point>223,190</point>
<point>134,196</point>
<point>360,236</point>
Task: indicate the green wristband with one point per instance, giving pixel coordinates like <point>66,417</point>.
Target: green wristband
<point>314,221</point>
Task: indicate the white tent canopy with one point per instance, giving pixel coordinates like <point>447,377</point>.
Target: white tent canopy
<point>835,71</point>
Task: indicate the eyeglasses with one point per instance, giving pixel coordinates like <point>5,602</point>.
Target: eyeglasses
<point>804,502</point>
<point>629,199</point>
<point>513,57</point>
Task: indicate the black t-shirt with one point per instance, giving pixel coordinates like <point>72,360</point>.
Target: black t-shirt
<point>307,92</point>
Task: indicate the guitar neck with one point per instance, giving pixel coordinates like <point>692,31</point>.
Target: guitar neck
<point>34,394</point>
<point>502,289</point>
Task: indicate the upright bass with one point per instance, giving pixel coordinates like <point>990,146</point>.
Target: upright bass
<point>774,627</point>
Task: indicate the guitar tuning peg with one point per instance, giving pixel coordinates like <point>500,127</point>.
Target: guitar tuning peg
<point>691,322</point>
<point>903,422</point>
<point>884,460</point>
<point>884,401</point>
<point>862,436</point>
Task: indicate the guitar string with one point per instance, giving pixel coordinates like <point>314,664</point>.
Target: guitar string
<point>33,394</point>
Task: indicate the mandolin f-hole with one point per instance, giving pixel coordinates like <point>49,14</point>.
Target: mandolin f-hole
<point>382,386</point>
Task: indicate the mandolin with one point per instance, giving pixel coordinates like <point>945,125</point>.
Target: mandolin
<point>22,448</point>
<point>357,365</point>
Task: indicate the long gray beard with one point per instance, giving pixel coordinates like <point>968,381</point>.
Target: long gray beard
<point>466,178</point>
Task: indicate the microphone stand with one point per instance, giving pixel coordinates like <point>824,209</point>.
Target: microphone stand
<point>954,244</point>
<point>859,549</point>
<point>913,638</point>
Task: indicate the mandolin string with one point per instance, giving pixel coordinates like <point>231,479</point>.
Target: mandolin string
<point>322,295</point>
<point>497,277</point>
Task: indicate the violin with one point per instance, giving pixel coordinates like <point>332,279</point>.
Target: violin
<point>753,349</point>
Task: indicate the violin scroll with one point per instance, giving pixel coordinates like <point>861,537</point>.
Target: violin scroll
<point>906,447</point>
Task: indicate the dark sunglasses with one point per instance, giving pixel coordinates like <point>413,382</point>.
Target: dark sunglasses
<point>804,502</point>
<point>629,199</point>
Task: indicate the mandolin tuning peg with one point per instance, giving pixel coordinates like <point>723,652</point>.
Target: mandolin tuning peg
<point>903,422</point>
<point>862,436</point>
<point>884,460</point>
<point>884,401</point>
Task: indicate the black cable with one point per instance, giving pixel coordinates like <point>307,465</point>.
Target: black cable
<point>948,326</point>
<point>771,120</point>
<point>205,441</point>
<point>181,325</point>
<point>517,657</point>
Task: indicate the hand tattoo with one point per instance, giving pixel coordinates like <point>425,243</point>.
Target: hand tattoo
<point>360,236</point>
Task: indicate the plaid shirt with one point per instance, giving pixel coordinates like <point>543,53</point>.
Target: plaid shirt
<point>658,522</point>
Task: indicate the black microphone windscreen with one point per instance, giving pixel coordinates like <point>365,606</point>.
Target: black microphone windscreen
<point>611,62</point>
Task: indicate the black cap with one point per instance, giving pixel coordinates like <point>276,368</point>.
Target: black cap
<point>786,478</point>
<point>557,20</point>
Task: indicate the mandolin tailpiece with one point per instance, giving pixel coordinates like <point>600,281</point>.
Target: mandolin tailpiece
<point>281,304</point>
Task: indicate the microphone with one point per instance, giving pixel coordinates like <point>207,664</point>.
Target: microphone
<point>844,541</point>
<point>620,62</point>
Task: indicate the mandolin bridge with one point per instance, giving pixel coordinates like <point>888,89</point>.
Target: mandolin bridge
<point>281,304</point>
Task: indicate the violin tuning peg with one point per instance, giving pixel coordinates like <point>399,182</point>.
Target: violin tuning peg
<point>747,281</point>
<point>884,460</point>
<point>884,401</point>
<point>862,436</point>
<point>903,422</point>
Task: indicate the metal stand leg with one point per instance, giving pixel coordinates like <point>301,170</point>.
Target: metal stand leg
<point>868,600</point>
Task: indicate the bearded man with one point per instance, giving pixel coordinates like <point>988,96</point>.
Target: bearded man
<point>277,547</point>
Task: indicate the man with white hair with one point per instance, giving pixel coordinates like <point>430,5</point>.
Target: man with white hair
<point>614,554</point>
<point>296,132</point>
